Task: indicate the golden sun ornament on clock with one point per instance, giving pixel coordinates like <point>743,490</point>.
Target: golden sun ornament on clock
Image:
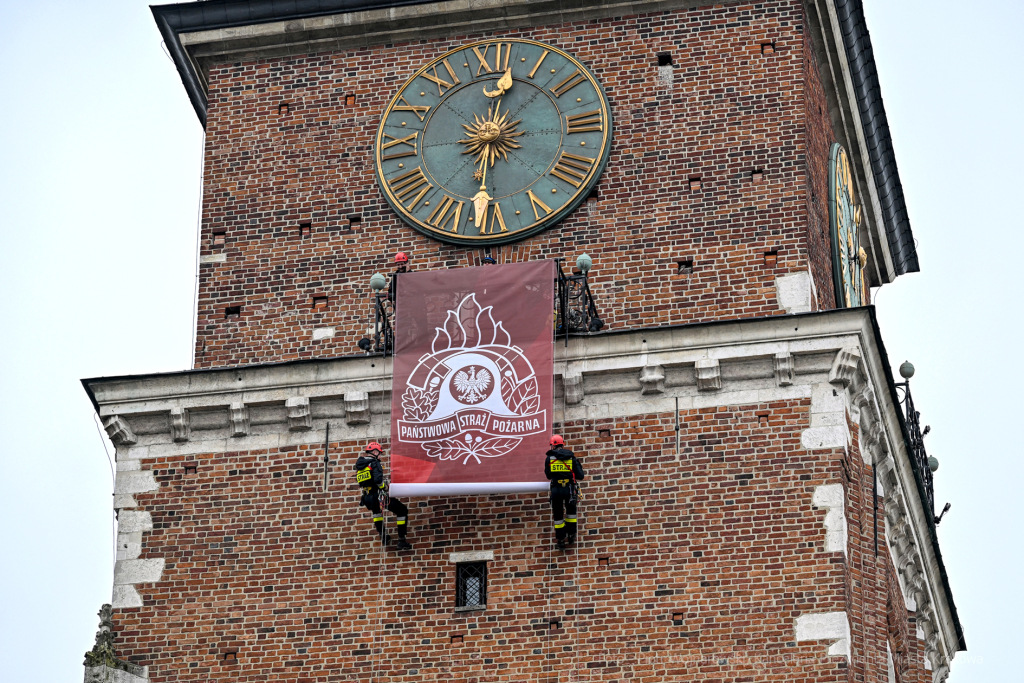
<point>493,141</point>
<point>845,217</point>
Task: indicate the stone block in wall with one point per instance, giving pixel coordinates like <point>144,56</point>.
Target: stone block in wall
<point>832,498</point>
<point>105,674</point>
<point>794,292</point>
<point>833,626</point>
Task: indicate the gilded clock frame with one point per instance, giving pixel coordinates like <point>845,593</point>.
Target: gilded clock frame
<point>536,227</point>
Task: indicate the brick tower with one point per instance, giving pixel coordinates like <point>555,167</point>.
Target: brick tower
<point>759,503</point>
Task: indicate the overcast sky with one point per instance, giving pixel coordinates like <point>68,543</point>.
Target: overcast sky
<point>99,195</point>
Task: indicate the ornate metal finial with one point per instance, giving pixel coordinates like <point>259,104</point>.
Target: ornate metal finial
<point>102,653</point>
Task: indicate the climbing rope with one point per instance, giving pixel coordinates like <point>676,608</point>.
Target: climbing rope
<point>382,502</point>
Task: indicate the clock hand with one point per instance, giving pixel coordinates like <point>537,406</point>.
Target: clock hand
<point>504,83</point>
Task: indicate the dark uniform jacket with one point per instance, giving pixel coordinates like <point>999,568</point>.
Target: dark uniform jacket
<point>369,475</point>
<point>562,468</point>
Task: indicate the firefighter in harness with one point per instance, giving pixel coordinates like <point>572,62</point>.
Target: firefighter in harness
<point>564,471</point>
<point>370,478</point>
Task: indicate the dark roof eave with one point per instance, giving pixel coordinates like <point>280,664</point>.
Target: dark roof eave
<point>875,126</point>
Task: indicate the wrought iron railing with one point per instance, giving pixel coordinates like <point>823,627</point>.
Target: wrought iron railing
<point>383,335</point>
<point>575,311</point>
<point>918,454</point>
<point>575,307</point>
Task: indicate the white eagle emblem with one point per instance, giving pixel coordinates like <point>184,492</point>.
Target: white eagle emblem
<point>472,386</point>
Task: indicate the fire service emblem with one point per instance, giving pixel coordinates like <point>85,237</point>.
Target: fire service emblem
<point>475,395</point>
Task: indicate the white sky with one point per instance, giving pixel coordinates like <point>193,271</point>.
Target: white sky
<point>99,193</point>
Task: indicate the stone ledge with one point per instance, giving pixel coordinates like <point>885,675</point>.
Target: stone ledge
<point>364,28</point>
<point>472,556</point>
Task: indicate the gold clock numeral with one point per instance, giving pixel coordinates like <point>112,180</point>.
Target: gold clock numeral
<point>569,83</point>
<point>539,61</point>
<point>585,122</point>
<point>447,211</point>
<point>496,220</point>
<point>535,203</point>
<point>484,66</point>
<point>572,169</point>
<point>406,185</point>
<point>399,141</point>
<point>442,85</point>
<point>421,112</point>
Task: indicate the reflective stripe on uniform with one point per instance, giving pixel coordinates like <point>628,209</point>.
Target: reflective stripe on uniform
<point>400,520</point>
<point>571,519</point>
<point>379,519</point>
<point>559,523</point>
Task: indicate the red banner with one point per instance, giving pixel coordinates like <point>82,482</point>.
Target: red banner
<point>472,393</point>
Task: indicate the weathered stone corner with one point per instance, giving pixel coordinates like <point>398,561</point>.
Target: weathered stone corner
<point>832,498</point>
<point>833,626</point>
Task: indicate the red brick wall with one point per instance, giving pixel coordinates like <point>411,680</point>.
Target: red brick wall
<point>731,110</point>
<point>819,139</point>
<point>260,561</point>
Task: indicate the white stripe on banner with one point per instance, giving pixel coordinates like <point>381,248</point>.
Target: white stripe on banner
<point>470,489</point>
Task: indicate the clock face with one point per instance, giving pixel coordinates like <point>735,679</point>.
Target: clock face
<point>493,142</point>
<point>848,258</point>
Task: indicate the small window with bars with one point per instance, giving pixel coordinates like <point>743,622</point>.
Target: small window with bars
<point>471,584</point>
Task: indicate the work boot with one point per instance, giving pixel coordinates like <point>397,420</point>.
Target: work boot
<point>560,544</point>
<point>385,539</point>
<point>571,540</point>
<point>404,544</point>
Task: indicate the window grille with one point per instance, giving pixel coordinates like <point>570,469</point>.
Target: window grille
<point>471,584</point>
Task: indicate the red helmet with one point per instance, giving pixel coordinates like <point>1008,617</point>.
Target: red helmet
<point>556,440</point>
<point>374,446</point>
<point>400,257</point>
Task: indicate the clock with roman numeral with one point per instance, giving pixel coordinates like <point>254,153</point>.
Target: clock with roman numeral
<point>848,257</point>
<point>493,142</point>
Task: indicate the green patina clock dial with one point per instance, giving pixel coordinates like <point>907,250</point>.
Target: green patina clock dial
<point>848,258</point>
<point>493,142</point>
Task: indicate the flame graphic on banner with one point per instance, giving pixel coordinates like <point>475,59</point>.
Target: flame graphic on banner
<point>466,327</point>
<point>449,406</point>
